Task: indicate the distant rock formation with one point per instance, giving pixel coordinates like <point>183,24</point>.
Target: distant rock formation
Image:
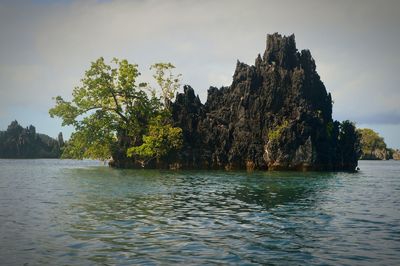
<point>373,146</point>
<point>396,154</point>
<point>18,142</point>
<point>376,154</point>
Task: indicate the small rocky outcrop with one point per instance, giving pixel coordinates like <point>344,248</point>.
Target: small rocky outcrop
<point>377,154</point>
<point>396,155</point>
<point>373,146</point>
<point>275,115</point>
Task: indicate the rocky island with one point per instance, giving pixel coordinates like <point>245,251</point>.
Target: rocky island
<point>18,142</point>
<point>276,115</point>
<point>373,146</point>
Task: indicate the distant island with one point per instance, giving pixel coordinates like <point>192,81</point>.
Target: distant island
<point>276,115</point>
<point>18,142</point>
<point>373,146</point>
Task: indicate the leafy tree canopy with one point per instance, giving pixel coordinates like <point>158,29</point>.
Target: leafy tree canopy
<point>111,109</point>
<point>349,142</point>
<point>159,140</point>
<point>370,140</point>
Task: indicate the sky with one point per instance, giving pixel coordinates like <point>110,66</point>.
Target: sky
<point>45,47</point>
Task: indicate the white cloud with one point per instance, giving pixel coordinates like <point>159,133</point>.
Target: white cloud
<point>46,48</point>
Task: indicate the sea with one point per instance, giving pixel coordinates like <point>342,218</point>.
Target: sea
<point>68,212</point>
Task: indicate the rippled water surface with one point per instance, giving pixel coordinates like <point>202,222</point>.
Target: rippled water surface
<point>62,212</point>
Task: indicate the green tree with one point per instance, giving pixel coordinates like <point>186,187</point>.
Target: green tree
<point>161,138</point>
<point>168,82</point>
<point>111,111</point>
<point>348,145</point>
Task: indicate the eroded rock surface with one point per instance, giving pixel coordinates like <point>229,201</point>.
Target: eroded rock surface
<point>275,115</point>
<point>396,155</point>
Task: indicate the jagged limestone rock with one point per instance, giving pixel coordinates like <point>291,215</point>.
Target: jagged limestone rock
<point>396,155</point>
<point>276,115</point>
<point>18,142</point>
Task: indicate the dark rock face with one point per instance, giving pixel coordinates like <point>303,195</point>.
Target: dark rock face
<point>276,115</point>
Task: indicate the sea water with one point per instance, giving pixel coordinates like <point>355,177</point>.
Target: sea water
<point>65,212</point>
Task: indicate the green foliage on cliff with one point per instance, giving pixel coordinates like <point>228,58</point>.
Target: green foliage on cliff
<point>277,131</point>
<point>161,138</point>
<point>111,111</point>
<point>19,142</point>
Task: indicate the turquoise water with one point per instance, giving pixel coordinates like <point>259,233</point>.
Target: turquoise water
<point>62,212</point>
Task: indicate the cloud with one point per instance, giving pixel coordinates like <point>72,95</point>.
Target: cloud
<point>46,46</point>
<point>382,118</point>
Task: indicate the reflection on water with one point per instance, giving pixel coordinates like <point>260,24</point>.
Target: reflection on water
<point>66,213</point>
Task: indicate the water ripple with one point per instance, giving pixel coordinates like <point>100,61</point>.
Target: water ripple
<point>81,213</point>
